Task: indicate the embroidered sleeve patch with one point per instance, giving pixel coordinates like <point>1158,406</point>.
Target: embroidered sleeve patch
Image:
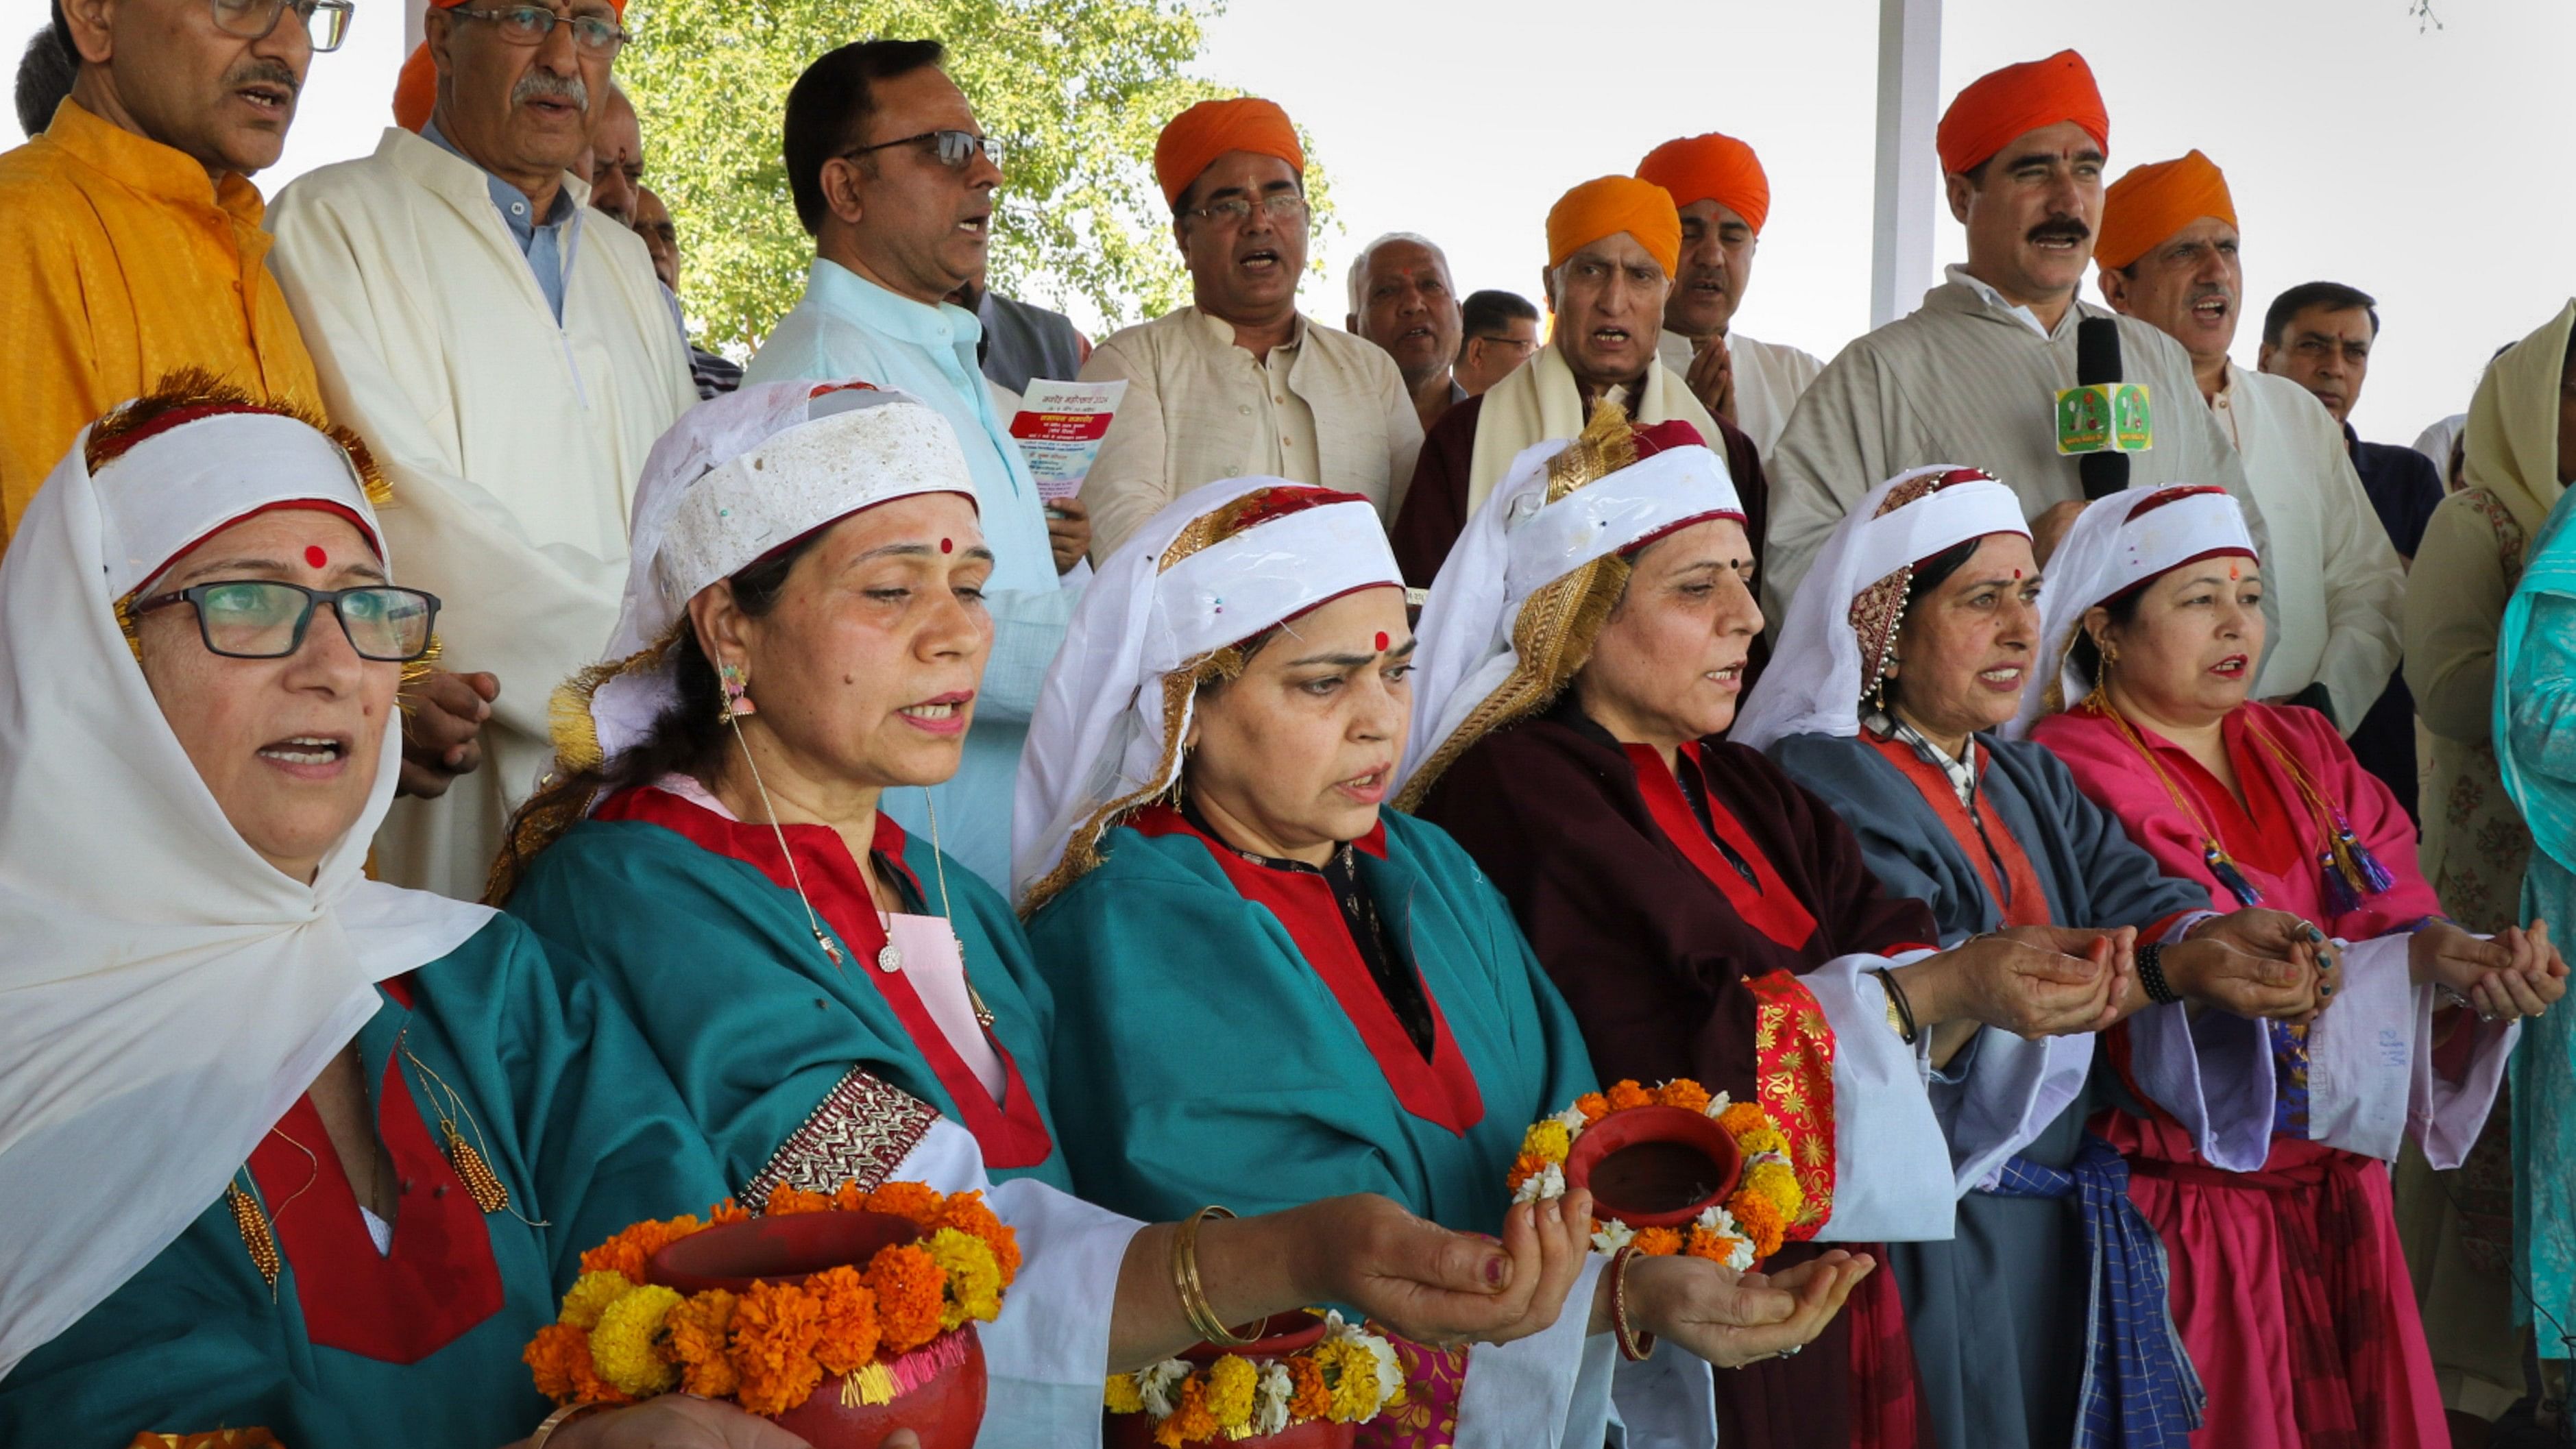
<point>860,1131</point>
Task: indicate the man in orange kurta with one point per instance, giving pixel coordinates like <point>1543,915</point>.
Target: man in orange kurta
<point>130,240</point>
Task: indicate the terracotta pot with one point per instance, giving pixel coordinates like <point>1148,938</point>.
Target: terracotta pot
<point>1656,1166</point>
<point>945,1407</point>
<point>1280,1335</point>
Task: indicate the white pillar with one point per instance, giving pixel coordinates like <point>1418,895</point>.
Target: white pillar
<point>1909,173</point>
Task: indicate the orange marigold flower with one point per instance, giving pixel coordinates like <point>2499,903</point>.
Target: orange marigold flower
<point>630,1250</point>
<point>849,1197</point>
<point>967,1213</point>
<point>788,1200</point>
<point>699,1328</point>
<point>1624,1095</point>
<point>727,1211</point>
<point>1524,1167</point>
<point>1657,1242</point>
<point>1684,1093</point>
<point>1593,1106</point>
<point>910,1291</point>
<point>911,1200</point>
<point>1743,1117</point>
<point>775,1329</point>
<point>1191,1418</point>
<point>551,1356</point>
<point>849,1306</point>
<point>1311,1398</point>
<point>1760,1220</point>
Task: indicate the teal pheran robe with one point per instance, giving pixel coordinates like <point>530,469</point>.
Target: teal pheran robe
<point>420,1347</point>
<point>1216,1041</point>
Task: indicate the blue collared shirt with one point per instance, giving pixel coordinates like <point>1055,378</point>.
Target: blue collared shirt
<point>542,243</point>
<point>849,327</point>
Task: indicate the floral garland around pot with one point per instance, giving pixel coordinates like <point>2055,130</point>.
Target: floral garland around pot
<point>1345,1379</point>
<point>1747,1228</point>
<point>620,1339</point>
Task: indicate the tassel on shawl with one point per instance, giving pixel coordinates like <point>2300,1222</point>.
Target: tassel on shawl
<point>2223,866</point>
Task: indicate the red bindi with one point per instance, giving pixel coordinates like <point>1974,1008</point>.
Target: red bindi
<point>314,556</point>
<point>1381,642</point>
<point>948,545</point>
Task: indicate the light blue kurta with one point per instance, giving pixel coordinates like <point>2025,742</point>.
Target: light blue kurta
<point>848,326</point>
<point>2535,734</point>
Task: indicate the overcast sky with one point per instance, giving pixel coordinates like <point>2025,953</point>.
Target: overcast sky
<point>2423,165</point>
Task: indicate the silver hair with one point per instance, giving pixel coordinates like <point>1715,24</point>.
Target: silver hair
<point>1360,264</point>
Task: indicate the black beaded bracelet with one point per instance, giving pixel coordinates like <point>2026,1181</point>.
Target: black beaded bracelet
<point>2151,975</point>
<point>1902,1008</point>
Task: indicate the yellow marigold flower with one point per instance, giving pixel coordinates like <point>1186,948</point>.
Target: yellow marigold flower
<point>1777,1182</point>
<point>1231,1381</point>
<point>1352,1370</point>
<point>1763,1139</point>
<point>1547,1141</point>
<point>623,1343</point>
<point>974,1279</point>
<point>591,1293</point>
<point>1119,1395</point>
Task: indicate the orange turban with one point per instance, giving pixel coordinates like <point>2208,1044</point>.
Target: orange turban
<point>416,90</point>
<point>1194,139</point>
<point>1711,168</point>
<point>1609,205</point>
<point>2153,202</point>
<point>2014,101</point>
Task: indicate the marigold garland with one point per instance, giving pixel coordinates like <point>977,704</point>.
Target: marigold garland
<point>1748,1228</point>
<point>1345,1379</point>
<point>619,1339</point>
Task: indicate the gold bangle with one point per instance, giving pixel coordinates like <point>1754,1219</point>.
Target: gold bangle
<point>556,1420</point>
<point>1185,1279</point>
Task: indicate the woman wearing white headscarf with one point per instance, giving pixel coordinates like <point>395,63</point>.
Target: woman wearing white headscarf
<point>279,1146</point>
<point>1907,649</point>
<point>1704,916</point>
<point>1267,989</point>
<point>803,631</point>
<point>2288,1283</point>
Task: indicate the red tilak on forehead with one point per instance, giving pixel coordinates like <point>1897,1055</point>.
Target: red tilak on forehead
<point>314,556</point>
<point>1381,641</point>
<point>2231,571</point>
<point>947,545</point>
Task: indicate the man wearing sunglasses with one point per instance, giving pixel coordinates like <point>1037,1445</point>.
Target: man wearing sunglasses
<point>1239,383</point>
<point>130,241</point>
<point>895,178</point>
<point>508,353</point>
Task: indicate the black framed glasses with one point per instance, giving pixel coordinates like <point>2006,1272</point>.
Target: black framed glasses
<point>1236,210</point>
<point>266,618</point>
<point>531,24</point>
<point>953,148</point>
<point>326,22</point>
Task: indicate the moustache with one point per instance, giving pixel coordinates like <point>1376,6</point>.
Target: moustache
<point>2064,228</point>
<point>268,72</point>
<point>546,85</point>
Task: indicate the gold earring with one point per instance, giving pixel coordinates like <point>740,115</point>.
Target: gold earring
<point>2110,653</point>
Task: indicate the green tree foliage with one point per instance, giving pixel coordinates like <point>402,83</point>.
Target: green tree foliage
<point>1077,89</point>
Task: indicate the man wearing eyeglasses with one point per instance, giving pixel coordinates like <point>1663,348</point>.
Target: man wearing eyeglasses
<point>130,241</point>
<point>507,353</point>
<point>895,180</point>
<point>1238,383</point>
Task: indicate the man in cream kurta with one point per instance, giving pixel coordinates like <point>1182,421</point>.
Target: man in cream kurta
<point>1239,384</point>
<point>2168,250</point>
<point>510,388</point>
<point>1972,376</point>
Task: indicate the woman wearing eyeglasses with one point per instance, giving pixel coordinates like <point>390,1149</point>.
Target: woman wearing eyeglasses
<point>280,1147</point>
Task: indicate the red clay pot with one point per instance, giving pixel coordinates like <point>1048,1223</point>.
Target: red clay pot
<point>945,1411</point>
<point>1281,1334</point>
<point>1655,1166</point>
